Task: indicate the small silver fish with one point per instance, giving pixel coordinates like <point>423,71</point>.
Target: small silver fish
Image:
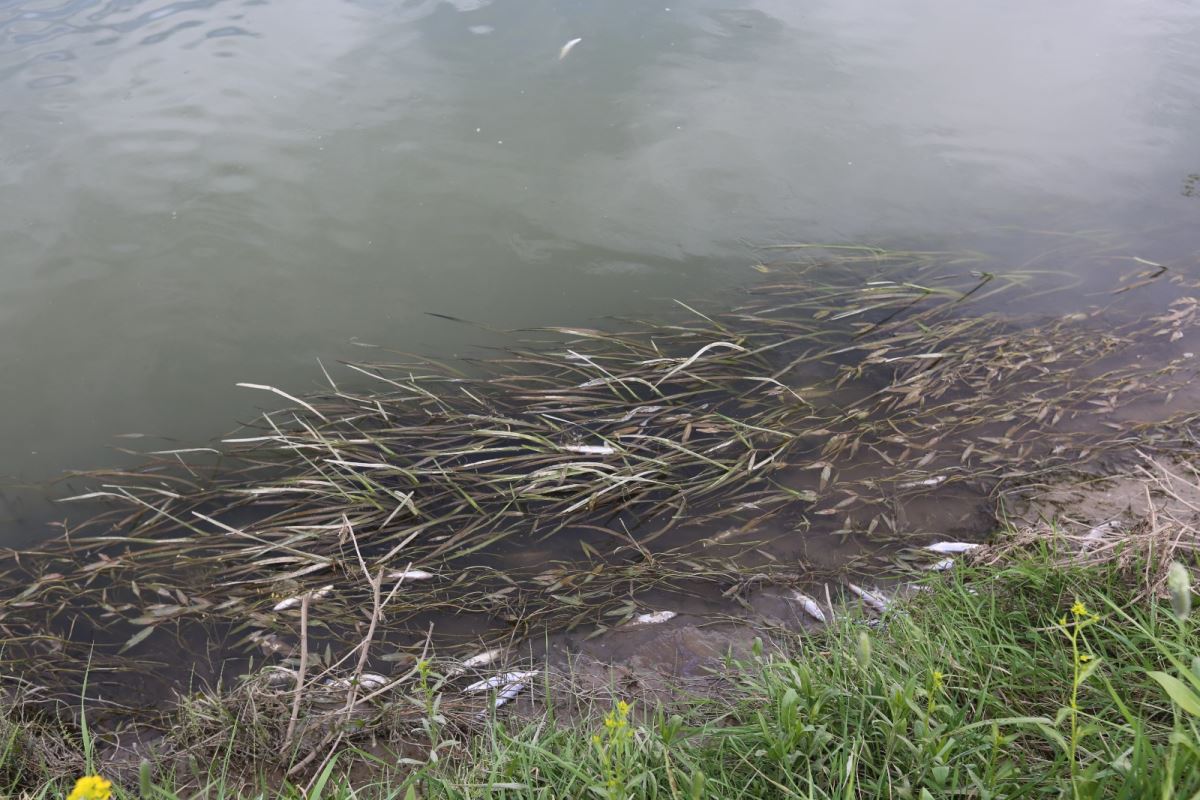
<point>508,693</point>
<point>875,601</point>
<point>567,48</point>
<point>497,681</point>
<point>590,449</point>
<point>934,481</point>
<point>279,677</point>
<point>950,548</point>
<point>652,618</point>
<point>368,681</point>
<point>810,606</point>
<point>483,658</point>
<point>292,602</point>
<point>410,575</point>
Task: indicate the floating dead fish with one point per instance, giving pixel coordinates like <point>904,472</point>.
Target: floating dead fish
<point>567,48</point>
<point>292,602</point>
<point>721,537</point>
<point>372,681</point>
<point>875,601</point>
<point>497,681</point>
<point>941,566</point>
<point>949,548</point>
<point>271,644</point>
<point>652,618</point>
<point>810,606</point>
<point>934,481</point>
<point>590,449</point>
<point>410,575</point>
<point>631,414</point>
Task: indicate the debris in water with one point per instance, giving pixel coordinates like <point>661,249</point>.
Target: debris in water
<point>484,469</point>
<point>941,566</point>
<point>950,548</point>
<point>567,48</point>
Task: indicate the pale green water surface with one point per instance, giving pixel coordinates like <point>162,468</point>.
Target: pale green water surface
<point>203,192</point>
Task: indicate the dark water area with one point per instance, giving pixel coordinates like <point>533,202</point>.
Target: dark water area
<point>196,194</point>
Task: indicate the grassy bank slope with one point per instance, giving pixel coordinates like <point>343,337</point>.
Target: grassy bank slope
<point>1028,680</point>
<point>1024,679</point>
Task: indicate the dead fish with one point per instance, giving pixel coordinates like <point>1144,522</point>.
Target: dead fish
<point>810,606</point>
<point>271,644</point>
<point>368,681</point>
<point>934,481</point>
<point>279,677</point>
<point>567,48</point>
<point>410,575</point>
<point>496,681</point>
<point>590,449</point>
<point>652,618</point>
<point>875,601</point>
<point>372,681</point>
<point>292,602</point>
<point>721,537</point>
<point>941,566</point>
<point>948,548</point>
<point>1102,530</point>
<point>508,693</point>
<point>483,658</point>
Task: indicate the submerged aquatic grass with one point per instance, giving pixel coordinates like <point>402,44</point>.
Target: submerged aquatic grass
<point>381,524</point>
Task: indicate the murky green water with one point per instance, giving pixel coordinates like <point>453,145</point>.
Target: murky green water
<point>198,193</point>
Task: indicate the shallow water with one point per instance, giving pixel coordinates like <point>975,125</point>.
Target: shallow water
<point>198,193</point>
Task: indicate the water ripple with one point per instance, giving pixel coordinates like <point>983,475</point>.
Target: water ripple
<point>33,34</point>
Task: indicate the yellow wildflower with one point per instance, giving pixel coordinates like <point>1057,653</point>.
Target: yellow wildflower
<point>1084,658</point>
<point>1079,609</point>
<point>938,679</point>
<point>623,707</point>
<point>91,787</point>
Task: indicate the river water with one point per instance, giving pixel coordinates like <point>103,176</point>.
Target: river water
<point>205,192</point>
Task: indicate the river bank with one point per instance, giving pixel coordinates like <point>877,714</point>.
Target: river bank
<point>369,577</point>
<point>1052,660</point>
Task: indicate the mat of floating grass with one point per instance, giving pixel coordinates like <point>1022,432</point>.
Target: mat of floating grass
<point>842,384</point>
